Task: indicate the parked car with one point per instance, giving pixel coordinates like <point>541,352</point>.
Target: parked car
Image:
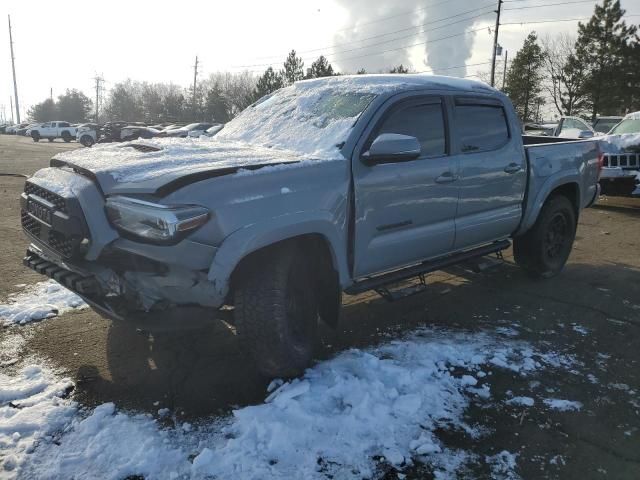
<point>111,132</point>
<point>573,127</point>
<point>621,172</point>
<point>332,185</point>
<point>133,132</point>
<point>191,130</point>
<point>11,129</point>
<point>603,125</point>
<point>53,130</point>
<point>24,128</point>
<point>212,131</point>
<point>87,134</point>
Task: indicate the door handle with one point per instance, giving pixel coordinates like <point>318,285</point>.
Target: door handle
<point>446,177</point>
<point>512,168</point>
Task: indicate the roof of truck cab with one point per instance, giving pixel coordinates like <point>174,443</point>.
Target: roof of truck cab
<point>388,82</point>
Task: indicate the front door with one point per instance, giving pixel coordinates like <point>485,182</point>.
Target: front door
<point>405,210</point>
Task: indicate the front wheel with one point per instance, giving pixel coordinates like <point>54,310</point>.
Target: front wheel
<point>545,248</point>
<point>35,136</point>
<point>276,311</point>
<point>87,140</point>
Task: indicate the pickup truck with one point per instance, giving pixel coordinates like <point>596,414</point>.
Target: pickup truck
<point>341,184</point>
<point>53,130</point>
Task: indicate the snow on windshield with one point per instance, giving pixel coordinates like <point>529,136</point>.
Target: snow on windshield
<point>310,119</point>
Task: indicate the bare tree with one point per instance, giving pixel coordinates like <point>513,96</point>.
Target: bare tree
<point>565,75</point>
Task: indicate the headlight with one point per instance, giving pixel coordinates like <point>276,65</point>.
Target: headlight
<point>153,222</point>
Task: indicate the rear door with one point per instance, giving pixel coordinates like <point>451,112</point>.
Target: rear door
<point>405,210</point>
<point>492,171</point>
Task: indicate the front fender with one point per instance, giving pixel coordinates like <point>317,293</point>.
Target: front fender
<point>259,235</point>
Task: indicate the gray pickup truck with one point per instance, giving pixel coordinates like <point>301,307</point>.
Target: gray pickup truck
<point>342,184</point>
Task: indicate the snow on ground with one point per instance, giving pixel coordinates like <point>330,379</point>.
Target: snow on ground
<point>521,401</point>
<point>562,405</point>
<point>348,417</point>
<point>503,466</point>
<point>37,302</point>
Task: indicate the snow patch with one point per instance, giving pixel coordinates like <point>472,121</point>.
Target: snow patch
<point>37,302</point>
<point>562,405</point>
<point>521,401</point>
<point>503,466</point>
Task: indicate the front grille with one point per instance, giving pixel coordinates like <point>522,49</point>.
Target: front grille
<point>63,229</point>
<point>30,224</point>
<point>57,200</point>
<point>625,160</point>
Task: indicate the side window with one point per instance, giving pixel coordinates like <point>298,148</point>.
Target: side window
<point>481,127</point>
<point>63,124</point>
<point>425,122</point>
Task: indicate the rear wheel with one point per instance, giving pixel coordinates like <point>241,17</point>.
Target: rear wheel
<point>66,136</point>
<point>544,250</point>
<point>276,311</point>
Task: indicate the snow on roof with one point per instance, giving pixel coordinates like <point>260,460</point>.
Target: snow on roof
<point>632,116</point>
<point>387,82</point>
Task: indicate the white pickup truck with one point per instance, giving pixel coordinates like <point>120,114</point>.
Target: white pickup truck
<point>53,130</point>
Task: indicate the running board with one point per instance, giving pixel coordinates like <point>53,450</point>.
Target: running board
<point>378,282</point>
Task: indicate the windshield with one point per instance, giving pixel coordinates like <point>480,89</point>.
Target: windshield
<point>630,125</point>
<point>604,125</point>
<point>310,119</point>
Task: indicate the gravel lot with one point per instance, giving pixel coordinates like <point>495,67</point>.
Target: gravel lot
<point>590,312</point>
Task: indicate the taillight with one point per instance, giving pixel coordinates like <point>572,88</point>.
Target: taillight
<point>600,162</point>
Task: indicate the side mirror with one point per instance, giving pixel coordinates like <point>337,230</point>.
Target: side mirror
<point>392,147</point>
<point>585,134</point>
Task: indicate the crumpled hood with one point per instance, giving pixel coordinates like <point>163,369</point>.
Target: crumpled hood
<point>146,166</point>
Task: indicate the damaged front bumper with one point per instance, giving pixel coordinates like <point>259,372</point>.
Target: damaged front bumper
<point>121,299</point>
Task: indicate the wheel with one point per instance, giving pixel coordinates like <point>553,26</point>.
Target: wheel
<point>35,136</point>
<point>276,311</point>
<point>87,140</point>
<point>544,250</point>
<point>50,140</point>
<point>66,136</point>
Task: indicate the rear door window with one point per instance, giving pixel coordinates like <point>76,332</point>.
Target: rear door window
<point>422,121</point>
<point>481,127</point>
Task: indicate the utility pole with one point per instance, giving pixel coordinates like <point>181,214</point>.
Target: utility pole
<point>195,78</point>
<point>11,103</point>
<point>495,44</point>
<point>13,67</point>
<point>51,93</point>
<point>504,72</point>
<point>99,80</point>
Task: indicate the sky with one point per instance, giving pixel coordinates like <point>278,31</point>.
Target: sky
<point>58,48</point>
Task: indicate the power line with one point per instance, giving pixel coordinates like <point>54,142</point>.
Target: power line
<point>558,21</point>
<point>550,5</point>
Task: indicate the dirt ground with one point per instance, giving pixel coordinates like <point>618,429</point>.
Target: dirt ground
<point>200,374</point>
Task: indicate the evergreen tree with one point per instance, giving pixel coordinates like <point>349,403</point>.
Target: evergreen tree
<point>399,69</point>
<point>124,103</point>
<point>293,68</point>
<point>362,71</point>
<point>74,106</point>
<point>606,46</point>
<point>44,111</point>
<point>320,68</point>
<point>269,82</point>
<point>216,106</point>
<point>524,78</point>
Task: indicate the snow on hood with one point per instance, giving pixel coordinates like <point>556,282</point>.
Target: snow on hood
<point>120,163</point>
<point>619,143</point>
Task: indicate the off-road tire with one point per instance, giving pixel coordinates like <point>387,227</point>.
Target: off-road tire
<point>276,311</point>
<point>35,136</point>
<point>66,136</point>
<point>543,251</point>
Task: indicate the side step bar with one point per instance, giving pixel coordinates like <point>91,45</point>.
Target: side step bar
<point>380,281</point>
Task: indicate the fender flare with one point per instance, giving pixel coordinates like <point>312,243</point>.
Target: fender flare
<point>533,206</point>
<point>268,232</point>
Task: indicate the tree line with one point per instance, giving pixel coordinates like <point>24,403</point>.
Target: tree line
<point>594,73</point>
<point>217,98</point>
